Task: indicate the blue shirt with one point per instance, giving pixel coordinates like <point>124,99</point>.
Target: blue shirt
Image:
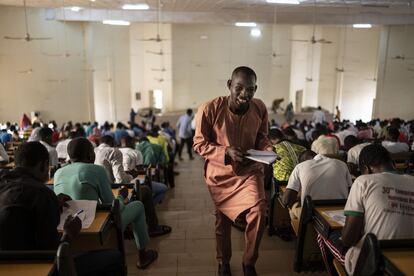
<point>184,126</point>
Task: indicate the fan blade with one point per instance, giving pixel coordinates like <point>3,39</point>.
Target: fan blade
<point>40,38</point>
<point>299,40</point>
<point>155,53</point>
<point>14,38</point>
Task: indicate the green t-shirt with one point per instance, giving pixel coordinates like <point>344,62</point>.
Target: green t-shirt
<point>84,181</point>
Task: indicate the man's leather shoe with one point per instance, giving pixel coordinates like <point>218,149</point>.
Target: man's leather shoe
<point>224,270</point>
<point>249,270</point>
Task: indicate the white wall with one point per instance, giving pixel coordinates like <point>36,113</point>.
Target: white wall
<point>108,57</point>
<point>57,87</point>
<point>201,67</point>
<point>143,77</point>
<point>395,92</point>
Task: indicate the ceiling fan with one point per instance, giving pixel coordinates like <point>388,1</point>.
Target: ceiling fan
<point>160,53</point>
<point>28,71</point>
<point>28,37</point>
<point>64,55</point>
<point>313,39</point>
<point>159,79</point>
<point>158,37</point>
<point>159,69</point>
<point>401,57</point>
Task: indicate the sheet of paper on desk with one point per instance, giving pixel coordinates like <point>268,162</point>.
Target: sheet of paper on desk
<point>262,156</point>
<point>87,216</point>
<point>336,215</point>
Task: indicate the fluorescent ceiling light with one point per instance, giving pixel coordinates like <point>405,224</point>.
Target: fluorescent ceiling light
<point>286,2</point>
<point>116,22</point>
<point>362,26</point>
<point>255,32</point>
<point>74,9</point>
<point>135,7</point>
<point>245,24</point>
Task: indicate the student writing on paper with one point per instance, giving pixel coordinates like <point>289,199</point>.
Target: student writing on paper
<point>318,176</point>
<point>380,202</point>
<point>82,179</point>
<point>30,213</point>
<point>226,127</point>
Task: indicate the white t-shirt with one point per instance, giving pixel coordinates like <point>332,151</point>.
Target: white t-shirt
<point>111,159</point>
<point>321,178</point>
<point>53,156</point>
<point>325,145</point>
<point>62,149</point>
<point>318,116</point>
<point>386,200</point>
<point>395,147</point>
<point>131,158</point>
<point>353,153</point>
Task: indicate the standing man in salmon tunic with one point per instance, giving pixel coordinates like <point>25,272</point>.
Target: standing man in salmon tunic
<point>226,128</point>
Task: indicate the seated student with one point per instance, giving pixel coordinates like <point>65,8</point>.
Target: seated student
<point>318,176</point>
<point>131,159</point>
<point>324,144</point>
<point>111,159</point>
<point>119,133</point>
<point>4,157</point>
<point>84,180</point>
<point>376,204</point>
<point>391,141</point>
<point>30,213</point>
<point>288,153</point>
<point>45,135</point>
<point>154,138</point>
<point>34,135</point>
<point>152,154</point>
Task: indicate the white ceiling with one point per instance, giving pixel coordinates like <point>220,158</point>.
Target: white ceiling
<point>229,11</point>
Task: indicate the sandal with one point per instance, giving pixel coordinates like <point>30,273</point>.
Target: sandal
<point>152,255</point>
<point>161,230</point>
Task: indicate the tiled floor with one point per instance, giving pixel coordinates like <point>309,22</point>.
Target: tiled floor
<point>190,248</point>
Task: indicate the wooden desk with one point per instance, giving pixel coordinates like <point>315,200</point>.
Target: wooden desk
<point>399,261</point>
<point>26,268</point>
<point>97,235</point>
<point>323,223</point>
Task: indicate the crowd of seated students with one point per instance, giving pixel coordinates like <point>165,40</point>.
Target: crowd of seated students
<point>340,152</point>
<point>84,160</point>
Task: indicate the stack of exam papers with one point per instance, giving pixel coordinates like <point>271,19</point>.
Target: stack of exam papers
<point>262,156</point>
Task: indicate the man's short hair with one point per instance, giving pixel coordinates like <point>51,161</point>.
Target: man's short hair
<point>30,154</point>
<point>393,133</point>
<point>290,132</point>
<point>189,111</point>
<point>275,133</point>
<point>350,141</point>
<point>45,133</point>
<point>79,148</point>
<point>108,139</point>
<point>244,70</point>
<point>374,155</point>
<point>306,155</point>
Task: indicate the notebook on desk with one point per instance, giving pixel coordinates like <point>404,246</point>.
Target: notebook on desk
<point>87,216</point>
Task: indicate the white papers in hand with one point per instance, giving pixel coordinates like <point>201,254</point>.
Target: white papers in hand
<point>87,216</point>
<point>336,215</point>
<point>266,157</point>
